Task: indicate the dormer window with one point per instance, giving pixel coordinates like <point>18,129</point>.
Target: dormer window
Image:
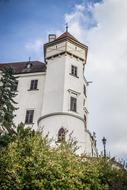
<point>33,85</point>
<point>74,70</point>
<point>29,65</point>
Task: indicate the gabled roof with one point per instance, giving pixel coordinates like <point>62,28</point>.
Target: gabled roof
<point>21,67</point>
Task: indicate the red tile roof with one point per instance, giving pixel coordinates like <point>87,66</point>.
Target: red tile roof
<point>21,67</point>
<point>65,36</point>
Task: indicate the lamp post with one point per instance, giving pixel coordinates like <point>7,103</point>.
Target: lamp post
<point>104,144</point>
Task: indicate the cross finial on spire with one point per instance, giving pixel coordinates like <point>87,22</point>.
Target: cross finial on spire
<point>29,59</point>
<point>66,27</point>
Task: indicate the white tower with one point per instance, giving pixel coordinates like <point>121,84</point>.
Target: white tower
<point>64,103</point>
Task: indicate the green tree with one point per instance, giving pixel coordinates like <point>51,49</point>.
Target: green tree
<point>29,163</point>
<point>8,84</point>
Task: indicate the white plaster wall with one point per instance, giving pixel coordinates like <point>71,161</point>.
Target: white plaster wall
<point>76,50</point>
<point>55,49</point>
<point>52,124</point>
<point>29,99</point>
<point>57,99</point>
<point>74,83</point>
<point>54,85</point>
<point>53,96</point>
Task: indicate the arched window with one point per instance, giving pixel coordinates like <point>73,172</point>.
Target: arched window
<point>61,135</point>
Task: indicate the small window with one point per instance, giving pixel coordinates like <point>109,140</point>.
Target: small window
<point>74,70</point>
<point>84,90</point>
<point>29,116</point>
<point>33,85</point>
<point>61,135</point>
<point>29,65</point>
<point>73,104</point>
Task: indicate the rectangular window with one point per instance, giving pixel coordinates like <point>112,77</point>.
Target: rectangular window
<point>73,104</point>
<point>29,116</point>
<point>74,70</point>
<point>84,90</point>
<point>33,85</point>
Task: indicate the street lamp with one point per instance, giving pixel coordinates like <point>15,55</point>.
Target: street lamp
<point>104,144</point>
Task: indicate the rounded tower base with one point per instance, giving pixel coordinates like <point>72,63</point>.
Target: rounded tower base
<point>74,127</point>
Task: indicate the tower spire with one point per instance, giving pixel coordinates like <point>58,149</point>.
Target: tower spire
<point>66,27</point>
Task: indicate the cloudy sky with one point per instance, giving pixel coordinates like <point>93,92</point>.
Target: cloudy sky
<point>102,25</point>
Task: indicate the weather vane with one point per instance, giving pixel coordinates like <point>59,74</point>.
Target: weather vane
<point>66,27</point>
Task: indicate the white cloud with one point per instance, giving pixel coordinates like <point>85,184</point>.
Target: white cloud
<point>34,46</point>
<point>35,49</point>
<point>107,67</point>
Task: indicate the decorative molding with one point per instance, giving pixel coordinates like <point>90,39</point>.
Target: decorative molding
<point>73,75</point>
<point>74,92</point>
<point>65,53</point>
<point>59,113</point>
<point>85,109</point>
<point>30,74</point>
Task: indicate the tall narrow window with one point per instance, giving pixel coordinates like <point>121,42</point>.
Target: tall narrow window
<point>73,104</point>
<point>29,116</point>
<point>74,70</point>
<point>33,85</point>
<point>61,135</point>
<point>84,90</point>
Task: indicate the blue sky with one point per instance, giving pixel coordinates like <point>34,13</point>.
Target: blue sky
<point>24,21</point>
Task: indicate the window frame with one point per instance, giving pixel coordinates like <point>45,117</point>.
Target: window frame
<point>34,84</point>
<point>61,135</point>
<point>74,71</point>
<point>73,104</point>
<point>29,116</point>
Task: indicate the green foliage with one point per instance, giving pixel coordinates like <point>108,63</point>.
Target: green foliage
<point>7,95</point>
<point>28,162</point>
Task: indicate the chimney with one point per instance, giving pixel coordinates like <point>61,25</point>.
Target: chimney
<point>52,37</point>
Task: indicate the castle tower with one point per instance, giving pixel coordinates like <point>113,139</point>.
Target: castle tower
<point>65,92</point>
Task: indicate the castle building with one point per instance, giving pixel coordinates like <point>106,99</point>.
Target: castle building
<point>53,95</point>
